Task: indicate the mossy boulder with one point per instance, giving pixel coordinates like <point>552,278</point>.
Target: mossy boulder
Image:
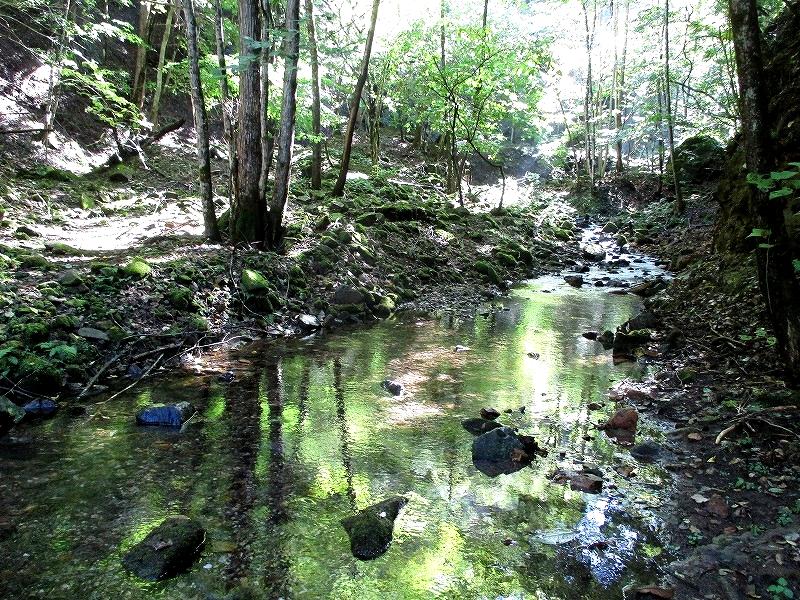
<point>259,295</point>
<point>61,249</point>
<point>371,529</point>
<point>33,261</point>
<point>384,308</point>
<point>182,298</point>
<point>488,271</point>
<point>37,374</point>
<point>700,158</point>
<point>168,550</point>
<point>10,415</point>
<point>138,268</point>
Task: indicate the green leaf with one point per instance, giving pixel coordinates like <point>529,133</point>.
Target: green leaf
<point>766,246</point>
<point>781,175</point>
<point>760,233</point>
<point>780,193</point>
<point>796,264</point>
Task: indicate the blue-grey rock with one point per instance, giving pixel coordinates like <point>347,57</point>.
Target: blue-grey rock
<point>172,415</point>
<point>496,445</point>
<point>40,408</point>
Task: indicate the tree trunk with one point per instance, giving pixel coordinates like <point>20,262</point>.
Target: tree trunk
<point>137,90</point>
<point>247,212</point>
<point>54,80</point>
<point>265,130</point>
<point>660,132</point>
<point>680,205</point>
<point>316,128</point>
<point>589,144</point>
<point>621,91</point>
<point>338,189</point>
<point>200,123</point>
<point>274,231</point>
<point>776,276</point>
<point>162,54</point>
<point>227,126</point>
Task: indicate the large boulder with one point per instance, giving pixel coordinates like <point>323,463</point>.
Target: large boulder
<point>346,294</point>
<point>593,252</point>
<point>699,159</point>
<point>168,550</point>
<point>170,415</point>
<point>371,529</point>
<point>43,407</point>
<point>10,415</point>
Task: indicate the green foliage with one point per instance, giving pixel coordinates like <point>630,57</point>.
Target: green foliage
<point>780,590</point>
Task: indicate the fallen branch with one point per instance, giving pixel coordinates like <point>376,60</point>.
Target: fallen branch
<point>136,146</point>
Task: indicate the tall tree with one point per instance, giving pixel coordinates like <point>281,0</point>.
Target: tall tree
<point>620,101</point>
<point>247,210</point>
<point>280,193</point>
<point>267,136</point>
<point>776,276</point>
<point>140,65</point>
<point>680,205</point>
<point>162,54</point>
<point>200,123</point>
<point>338,189</point>
<point>227,126</point>
<point>589,95</point>
<point>316,127</point>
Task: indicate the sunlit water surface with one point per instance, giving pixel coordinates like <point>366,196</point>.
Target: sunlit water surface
<point>305,435</point>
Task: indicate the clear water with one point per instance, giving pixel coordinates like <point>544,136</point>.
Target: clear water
<point>305,435</point>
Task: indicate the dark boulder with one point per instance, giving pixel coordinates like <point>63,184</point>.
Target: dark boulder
<point>649,288</point>
<point>479,426</point>
<point>168,550</point>
<point>40,408</point>
<point>172,415</point>
<point>606,339</point>
<point>700,159</point>
<point>647,451</point>
<point>587,482</point>
<point>574,280</point>
<point>644,320</point>
<point>393,387</point>
<point>346,294</point>
<point>499,451</point>
<point>10,415</point>
<point>371,529</point>
<point>626,342</point>
<point>490,413</point>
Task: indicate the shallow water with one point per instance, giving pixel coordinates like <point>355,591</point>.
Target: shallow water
<point>305,435</point>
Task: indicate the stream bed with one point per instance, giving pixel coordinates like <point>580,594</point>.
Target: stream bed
<point>305,435</point>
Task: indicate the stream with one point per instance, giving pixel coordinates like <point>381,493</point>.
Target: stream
<point>304,436</point>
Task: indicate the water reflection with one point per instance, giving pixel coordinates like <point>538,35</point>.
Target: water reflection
<point>306,436</point>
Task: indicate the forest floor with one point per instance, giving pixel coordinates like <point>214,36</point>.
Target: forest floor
<point>106,278</point>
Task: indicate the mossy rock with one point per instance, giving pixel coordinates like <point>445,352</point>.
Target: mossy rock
<point>46,172</point>
<point>182,298</point>
<point>66,322</point>
<point>488,271</point>
<point>34,261</point>
<point>254,282</point>
<point>168,550</point>
<point>101,267</point>
<point>700,158</point>
<point>562,234</point>
<point>330,240</point>
<point>37,374</point>
<point>61,249</point>
<point>138,268</point>
<point>384,308</point>
<point>506,260</point>
<point>224,221</point>
<point>31,333</point>
<point>369,219</point>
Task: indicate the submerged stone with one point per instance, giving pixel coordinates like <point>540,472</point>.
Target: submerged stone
<point>500,452</point>
<point>171,415</point>
<point>393,387</point>
<point>10,415</point>
<point>479,426</point>
<point>579,481</point>
<point>168,550</point>
<point>371,529</point>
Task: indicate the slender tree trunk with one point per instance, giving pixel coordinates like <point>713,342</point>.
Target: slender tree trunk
<point>338,189</point>
<point>137,91</point>
<point>621,91</point>
<point>680,204</point>
<point>227,126</point>
<point>200,123</point>
<point>162,54</point>
<point>274,231</point>
<point>247,212</point>
<point>589,143</point>
<point>54,79</point>
<point>266,129</point>
<point>485,13</point>
<point>660,138</point>
<point>316,127</point>
<point>777,279</point>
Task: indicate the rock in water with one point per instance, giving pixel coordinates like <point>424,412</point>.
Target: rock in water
<point>574,280</point>
<point>168,550</point>
<point>172,415</point>
<point>393,387</point>
<point>40,408</point>
<point>499,452</point>
<point>622,425</point>
<point>10,415</point>
<point>370,530</point>
<point>490,413</point>
<point>579,481</point>
<point>593,252</point>
<point>478,426</point>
